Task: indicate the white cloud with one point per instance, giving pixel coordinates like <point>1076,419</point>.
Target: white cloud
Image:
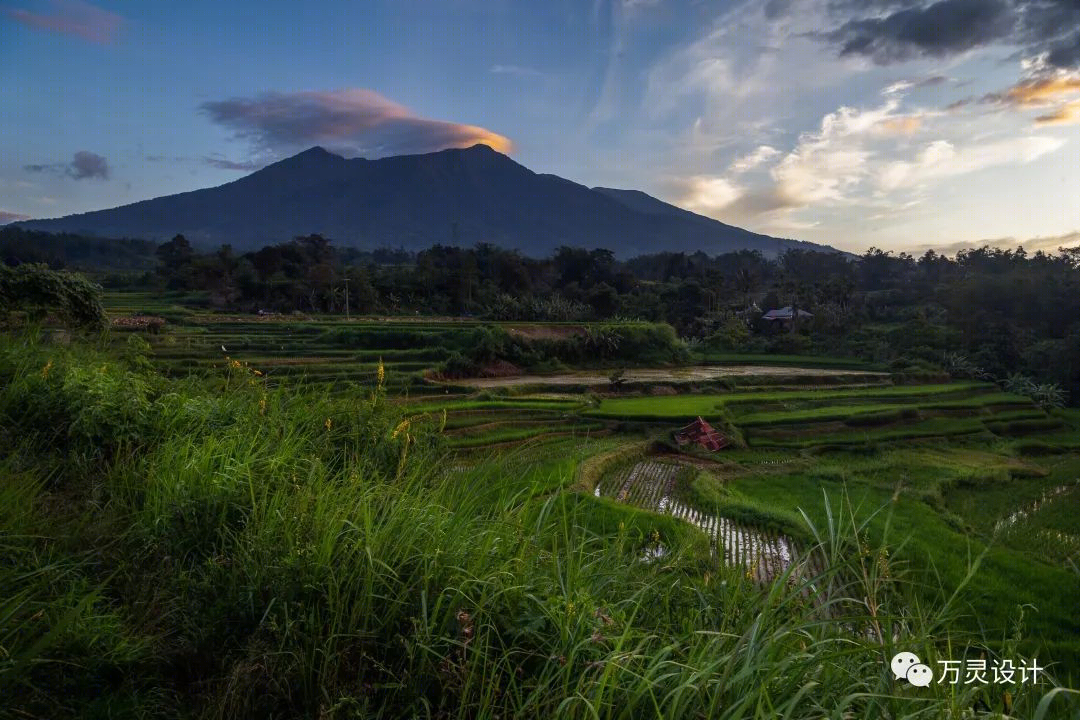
<point>941,159</point>
<point>827,164</point>
<point>758,156</point>
<point>709,194</point>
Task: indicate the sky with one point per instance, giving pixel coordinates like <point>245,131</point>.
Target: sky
<point>898,124</point>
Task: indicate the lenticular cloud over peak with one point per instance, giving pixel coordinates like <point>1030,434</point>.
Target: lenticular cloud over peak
<point>353,121</point>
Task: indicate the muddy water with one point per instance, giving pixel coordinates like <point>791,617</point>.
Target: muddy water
<point>693,373</point>
<point>649,484</point>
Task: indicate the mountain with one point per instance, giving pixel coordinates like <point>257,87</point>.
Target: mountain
<point>453,197</point>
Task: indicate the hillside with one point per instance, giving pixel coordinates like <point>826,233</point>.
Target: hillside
<point>458,197</point>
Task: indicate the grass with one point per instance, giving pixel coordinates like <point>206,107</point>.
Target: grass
<point>805,361</point>
<point>511,434</point>
<point>215,546</point>
<point>689,406</point>
<point>1008,579</point>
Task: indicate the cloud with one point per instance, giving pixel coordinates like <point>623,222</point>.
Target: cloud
<point>10,217</point>
<point>901,125</point>
<point>84,165</point>
<point>1037,91</point>
<point>1066,114</point>
<point>826,164</point>
<point>857,157</point>
<point>73,17</point>
<point>706,195</point>
<point>1047,243</point>
<point>88,165</point>
<point>1048,90</point>
<point>758,156</point>
<point>822,169</point>
<point>943,28</point>
<point>1065,53</point>
<point>890,32</point>
<point>903,86</point>
<point>941,159</point>
<point>351,121</point>
<point>516,70</point>
<point>221,163</point>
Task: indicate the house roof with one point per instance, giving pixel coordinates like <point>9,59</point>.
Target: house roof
<point>783,313</point>
<point>701,433</point>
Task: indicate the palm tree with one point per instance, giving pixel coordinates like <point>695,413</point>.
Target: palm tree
<point>745,282</point>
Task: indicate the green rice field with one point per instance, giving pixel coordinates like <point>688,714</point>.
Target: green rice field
<point>951,503</point>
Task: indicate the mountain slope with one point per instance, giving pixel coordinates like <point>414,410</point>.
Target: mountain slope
<point>459,197</point>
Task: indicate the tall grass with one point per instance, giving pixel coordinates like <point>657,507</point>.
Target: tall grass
<point>231,551</point>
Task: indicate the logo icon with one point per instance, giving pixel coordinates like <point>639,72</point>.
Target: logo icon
<point>920,675</point>
<point>902,663</point>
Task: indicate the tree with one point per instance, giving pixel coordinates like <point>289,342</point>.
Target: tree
<point>175,259</point>
<point>37,290</point>
<point>745,282</point>
<point>604,300</point>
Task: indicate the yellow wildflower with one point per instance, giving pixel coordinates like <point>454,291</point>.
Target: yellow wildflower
<point>262,405</point>
<point>46,369</point>
<point>381,375</point>
<point>403,425</point>
<point>257,372</point>
<point>329,423</point>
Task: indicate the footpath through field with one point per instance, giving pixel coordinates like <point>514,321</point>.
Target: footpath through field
<point>693,373</point>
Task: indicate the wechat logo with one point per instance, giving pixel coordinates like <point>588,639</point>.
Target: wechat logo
<point>907,666</point>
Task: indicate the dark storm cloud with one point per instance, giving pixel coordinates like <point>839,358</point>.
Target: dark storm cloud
<point>944,28</point>
<point>1065,53</point>
<point>84,165</point>
<point>354,121</point>
<point>891,32</point>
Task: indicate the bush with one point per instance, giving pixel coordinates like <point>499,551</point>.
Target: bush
<point>38,290</point>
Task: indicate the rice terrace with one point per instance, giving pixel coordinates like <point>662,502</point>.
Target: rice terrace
<point>500,360</point>
<point>836,493</point>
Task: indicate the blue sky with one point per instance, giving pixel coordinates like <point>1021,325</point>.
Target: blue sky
<point>901,124</point>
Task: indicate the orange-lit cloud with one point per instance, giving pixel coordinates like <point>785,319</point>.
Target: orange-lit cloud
<point>1036,92</point>
<point>72,17</point>
<point>354,121</point>
<point>1066,114</point>
<point>900,125</point>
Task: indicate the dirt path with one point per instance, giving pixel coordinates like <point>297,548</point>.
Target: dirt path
<point>694,373</point>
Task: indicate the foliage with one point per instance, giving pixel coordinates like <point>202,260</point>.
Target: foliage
<point>37,289</point>
<point>1045,395</point>
<point>288,553</point>
<point>603,344</point>
<point>986,311</point>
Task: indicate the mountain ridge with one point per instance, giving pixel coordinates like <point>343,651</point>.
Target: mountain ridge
<point>451,197</point>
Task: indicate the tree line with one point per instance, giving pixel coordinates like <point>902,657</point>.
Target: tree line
<point>989,311</point>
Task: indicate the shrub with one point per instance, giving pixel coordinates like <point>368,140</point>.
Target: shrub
<point>38,290</point>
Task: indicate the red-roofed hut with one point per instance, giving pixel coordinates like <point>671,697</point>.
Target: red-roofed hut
<point>701,433</point>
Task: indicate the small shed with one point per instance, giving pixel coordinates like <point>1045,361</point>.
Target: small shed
<point>784,314</point>
<point>701,433</point>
